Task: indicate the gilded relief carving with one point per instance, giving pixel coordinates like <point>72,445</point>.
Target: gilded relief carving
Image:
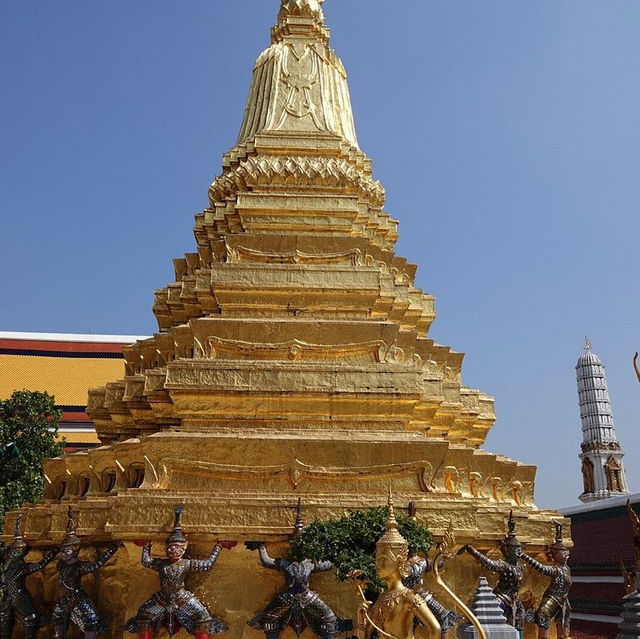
<point>292,350</point>
<point>300,472</point>
<point>451,479</point>
<point>297,171</point>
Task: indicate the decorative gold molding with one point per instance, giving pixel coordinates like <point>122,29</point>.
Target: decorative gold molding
<point>296,474</point>
<point>299,171</point>
<point>292,350</point>
<point>239,254</point>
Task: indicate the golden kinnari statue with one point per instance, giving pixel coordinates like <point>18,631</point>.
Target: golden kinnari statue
<point>394,611</point>
<point>292,359</point>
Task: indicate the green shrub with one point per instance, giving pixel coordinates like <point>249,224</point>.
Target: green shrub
<point>350,542</point>
<point>28,428</point>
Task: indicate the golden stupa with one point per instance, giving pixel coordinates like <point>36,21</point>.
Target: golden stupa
<point>292,360</point>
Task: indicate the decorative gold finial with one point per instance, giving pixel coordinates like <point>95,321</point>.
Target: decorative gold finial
<point>587,344</point>
<point>391,518</point>
<point>303,8</point>
<point>391,538</point>
<point>300,19</point>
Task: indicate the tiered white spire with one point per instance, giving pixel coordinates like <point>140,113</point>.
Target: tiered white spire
<point>602,468</point>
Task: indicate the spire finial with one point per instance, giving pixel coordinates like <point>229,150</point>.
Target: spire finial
<point>587,344</point>
<point>309,8</point>
<point>300,19</point>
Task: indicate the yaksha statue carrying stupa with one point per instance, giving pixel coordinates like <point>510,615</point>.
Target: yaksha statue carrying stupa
<point>293,358</point>
<point>554,606</point>
<point>17,603</point>
<point>510,575</point>
<point>74,604</point>
<point>296,606</point>
<point>173,606</point>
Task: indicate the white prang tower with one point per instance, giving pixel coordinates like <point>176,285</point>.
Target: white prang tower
<point>601,455</point>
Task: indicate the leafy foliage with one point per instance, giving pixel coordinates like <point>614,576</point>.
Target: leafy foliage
<point>28,428</point>
<point>350,542</point>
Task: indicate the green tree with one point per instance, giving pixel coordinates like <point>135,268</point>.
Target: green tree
<point>350,542</point>
<point>28,429</point>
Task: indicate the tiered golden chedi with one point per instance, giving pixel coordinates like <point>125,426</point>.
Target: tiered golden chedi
<point>292,359</point>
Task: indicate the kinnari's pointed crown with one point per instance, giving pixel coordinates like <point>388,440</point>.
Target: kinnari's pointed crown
<point>392,537</point>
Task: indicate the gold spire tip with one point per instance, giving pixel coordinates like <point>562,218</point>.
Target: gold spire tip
<point>301,8</point>
<point>391,517</point>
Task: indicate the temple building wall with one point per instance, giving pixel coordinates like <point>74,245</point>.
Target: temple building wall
<point>602,537</point>
<point>65,366</point>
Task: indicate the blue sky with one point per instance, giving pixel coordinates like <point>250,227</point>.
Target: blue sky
<point>507,136</point>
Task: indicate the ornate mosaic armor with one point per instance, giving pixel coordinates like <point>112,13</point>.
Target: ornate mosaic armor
<point>418,566</point>
<point>74,603</point>
<point>173,606</point>
<point>554,605</point>
<point>298,605</point>
<point>509,581</point>
<point>16,599</point>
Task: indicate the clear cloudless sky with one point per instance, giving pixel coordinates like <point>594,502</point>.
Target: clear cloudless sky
<point>506,133</point>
